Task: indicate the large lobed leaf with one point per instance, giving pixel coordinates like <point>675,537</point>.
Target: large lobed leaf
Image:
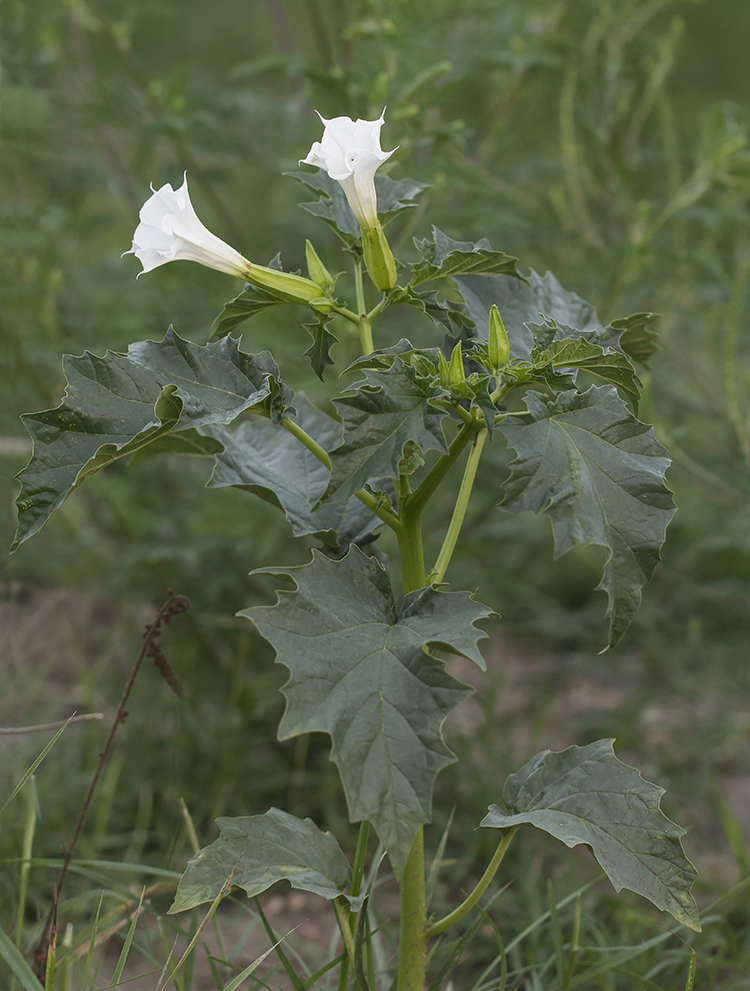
<point>261,850</point>
<point>381,413</point>
<point>441,256</point>
<point>360,672</point>
<point>261,458</point>
<point>586,795</point>
<point>117,404</point>
<point>598,473</point>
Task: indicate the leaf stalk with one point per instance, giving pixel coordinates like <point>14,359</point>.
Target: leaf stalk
<point>470,901</point>
<point>369,500</point>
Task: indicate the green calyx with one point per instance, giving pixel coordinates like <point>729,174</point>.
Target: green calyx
<point>291,288</point>
<point>378,256</point>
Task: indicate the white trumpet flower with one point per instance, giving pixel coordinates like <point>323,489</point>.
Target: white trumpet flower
<point>170,230</point>
<point>350,153</point>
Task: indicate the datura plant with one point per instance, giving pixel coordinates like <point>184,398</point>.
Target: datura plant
<point>518,360</point>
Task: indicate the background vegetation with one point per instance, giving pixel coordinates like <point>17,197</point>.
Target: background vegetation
<point>603,139</point>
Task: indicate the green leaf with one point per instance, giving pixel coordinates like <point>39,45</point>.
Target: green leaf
<point>611,365</point>
<point>381,413</point>
<point>264,849</point>
<point>394,196</point>
<point>331,204</point>
<point>520,303</point>
<point>359,671</point>
<point>442,256</point>
<point>117,404</point>
<point>259,457</point>
<point>188,442</point>
<point>637,339</point>
<point>598,473</point>
<point>319,351</point>
<point>250,301</point>
<point>586,795</point>
<point>440,310</point>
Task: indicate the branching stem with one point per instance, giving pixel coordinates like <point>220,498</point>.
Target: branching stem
<point>429,484</point>
<point>369,500</point>
<point>459,510</point>
<point>468,904</point>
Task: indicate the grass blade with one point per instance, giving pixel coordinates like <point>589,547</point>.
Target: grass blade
<point>34,766</point>
<point>297,983</point>
<point>127,944</point>
<point>236,981</point>
<point>10,953</point>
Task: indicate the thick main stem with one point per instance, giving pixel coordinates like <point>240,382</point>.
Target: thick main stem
<point>412,953</point>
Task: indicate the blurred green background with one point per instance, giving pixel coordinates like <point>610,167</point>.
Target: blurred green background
<point>606,140</point>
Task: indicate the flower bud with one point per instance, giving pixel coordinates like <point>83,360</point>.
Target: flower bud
<point>497,340</point>
<point>456,373</point>
<point>451,375</point>
<point>315,267</point>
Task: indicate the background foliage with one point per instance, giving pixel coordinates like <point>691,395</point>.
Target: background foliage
<point>603,139</point>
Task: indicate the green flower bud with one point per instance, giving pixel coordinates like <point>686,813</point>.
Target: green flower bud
<point>497,341</point>
<point>378,257</point>
<point>315,267</point>
<point>456,373</point>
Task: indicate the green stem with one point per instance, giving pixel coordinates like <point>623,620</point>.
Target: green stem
<point>365,323</point>
<point>377,309</point>
<point>419,498</point>
<point>412,955</point>
<point>347,314</point>
<point>341,909</point>
<point>367,498</point>
<point>502,391</point>
<point>468,904</point>
<point>459,510</point>
<point>304,438</point>
<point>411,548</point>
